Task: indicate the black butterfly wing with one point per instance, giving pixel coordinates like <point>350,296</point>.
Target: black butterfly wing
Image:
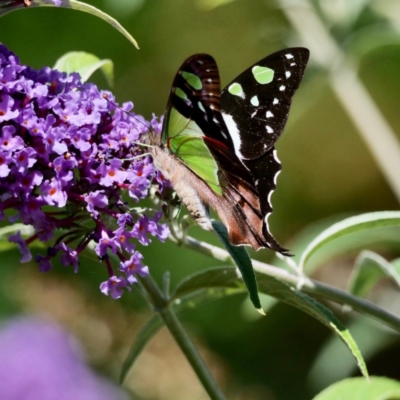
<point>256,112</point>
<point>195,94</point>
<point>256,104</point>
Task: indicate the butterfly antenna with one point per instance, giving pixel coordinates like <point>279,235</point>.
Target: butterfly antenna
<point>148,127</point>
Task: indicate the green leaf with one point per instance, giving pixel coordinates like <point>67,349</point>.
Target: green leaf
<point>358,389</point>
<point>369,269</point>
<point>85,64</point>
<point>333,363</point>
<point>141,339</point>
<point>9,5</point>
<point>396,265</point>
<point>208,285</point>
<point>208,5</point>
<point>359,223</point>
<point>242,260</point>
<point>384,238</point>
<point>220,282</point>
<point>307,304</point>
<point>26,230</point>
<point>370,38</point>
<point>210,280</point>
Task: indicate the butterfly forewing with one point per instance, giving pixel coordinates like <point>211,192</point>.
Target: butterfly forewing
<point>195,95</point>
<point>256,104</point>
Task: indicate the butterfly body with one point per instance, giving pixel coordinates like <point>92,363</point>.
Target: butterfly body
<point>218,148</point>
<point>187,185</point>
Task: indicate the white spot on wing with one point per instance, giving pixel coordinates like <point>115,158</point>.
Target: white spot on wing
<point>266,220</point>
<point>282,88</point>
<point>200,62</point>
<point>269,114</point>
<point>276,101</point>
<point>269,197</point>
<point>289,56</point>
<point>276,177</point>
<point>209,80</point>
<point>292,64</point>
<point>287,73</point>
<point>254,101</point>
<point>269,129</point>
<point>275,155</point>
<point>234,132</point>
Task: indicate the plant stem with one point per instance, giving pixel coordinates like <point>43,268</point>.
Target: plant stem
<point>304,284</point>
<point>160,303</point>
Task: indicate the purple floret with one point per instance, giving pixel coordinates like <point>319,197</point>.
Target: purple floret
<point>70,163</point>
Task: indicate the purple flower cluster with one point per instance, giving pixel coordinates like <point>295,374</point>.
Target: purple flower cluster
<point>25,3</point>
<point>70,165</point>
<point>39,360</point>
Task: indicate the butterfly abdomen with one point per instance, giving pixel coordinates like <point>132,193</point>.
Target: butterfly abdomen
<point>186,184</point>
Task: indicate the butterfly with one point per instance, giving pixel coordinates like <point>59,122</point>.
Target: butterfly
<point>217,148</point>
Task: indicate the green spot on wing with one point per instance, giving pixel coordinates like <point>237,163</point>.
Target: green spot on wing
<point>193,80</point>
<point>236,89</point>
<point>263,75</point>
<point>201,106</point>
<point>180,93</point>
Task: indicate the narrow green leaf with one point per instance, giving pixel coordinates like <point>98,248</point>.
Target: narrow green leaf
<point>207,285</point>
<point>85,64</point>
<point>333,362</point>
<point>242,260</point>
<point>141,339</point>
<point>9,5</point>
<point>208,5</point>
<point>346,337</point>
<point>369,269</point>
<point>315,309</point>
<point>351,225</point>
<point>24,229</point>
<point>396,265</point>
<point>358,389</point>
<point>371,38</point>
<point>212,278</point>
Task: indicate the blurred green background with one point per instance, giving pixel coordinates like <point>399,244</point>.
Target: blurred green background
<point>328,172</point>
